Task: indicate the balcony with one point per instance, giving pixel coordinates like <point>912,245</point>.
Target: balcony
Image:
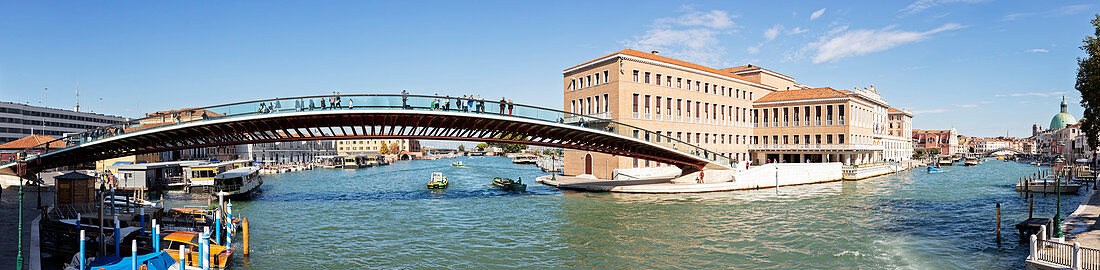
<point>812,147</point>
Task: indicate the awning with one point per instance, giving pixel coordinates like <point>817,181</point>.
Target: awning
<point>1083,160</point>
<point>122,163</point>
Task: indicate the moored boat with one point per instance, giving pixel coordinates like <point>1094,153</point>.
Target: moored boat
<point>457,164</point>
<point>189,242</point>
<point>509,184</point>
<point>946,161</point>
<point>238,183</point>
<point>972,161</point>
<point>438,181</point>
<point>934,169</point>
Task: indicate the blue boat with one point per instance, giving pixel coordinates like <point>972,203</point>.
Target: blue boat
<point>934,169</point>
<point>158,261</point>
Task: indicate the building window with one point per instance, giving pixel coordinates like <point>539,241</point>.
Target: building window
<point>658,79</point>
<point>680,83</point>
<point>668,81</point>
<point>606,101</point>
<point>647,77</point>
<point>606,78</point>
<point>635,104</point>
<point>840,138</point>
<point>829,138</point>
<point>597,79</point>
<point>573,84</point>
<point>635,75</point>
<point>706,88</point>
<point>795,137</point>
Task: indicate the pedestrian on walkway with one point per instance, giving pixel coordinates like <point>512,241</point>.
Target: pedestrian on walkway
<point>480,104</point>
<point>470,103</point>
<point>404,99</point>
<point>502,105</point>
<point>510,107</point>
<point>447,103</point>
<point>700,177</point>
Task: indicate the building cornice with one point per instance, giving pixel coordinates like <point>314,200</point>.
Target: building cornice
<point>667,65</point>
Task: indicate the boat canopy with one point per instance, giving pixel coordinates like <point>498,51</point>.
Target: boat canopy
<point>152,261</point>
<point>238,172</point>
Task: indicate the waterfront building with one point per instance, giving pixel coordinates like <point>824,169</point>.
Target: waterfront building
<point>723,110</point>
<point>285,152</point>
<point>899,135</point>
<point>1063,129</point>
<point>21,120</point>
<point>374,146</point>
<point>945,141</point>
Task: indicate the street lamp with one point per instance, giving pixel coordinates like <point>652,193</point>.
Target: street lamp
<point>1058,160</point>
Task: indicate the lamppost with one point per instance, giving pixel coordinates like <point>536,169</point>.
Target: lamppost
<point>1058,160</point>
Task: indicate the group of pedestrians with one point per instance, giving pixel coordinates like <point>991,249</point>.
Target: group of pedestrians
<point>506,104</point>
<point>466,103</point>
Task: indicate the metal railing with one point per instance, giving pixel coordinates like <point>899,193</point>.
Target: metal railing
<point>163,120</point>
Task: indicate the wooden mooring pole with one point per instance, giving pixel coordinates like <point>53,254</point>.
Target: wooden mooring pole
<point>998,222</point>
<point>1030,206</point>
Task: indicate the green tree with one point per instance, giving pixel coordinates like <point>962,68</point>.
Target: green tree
<point>1088,83</point>
<point>384,149</point>
<point>461,148</point>
<point>481,146</point>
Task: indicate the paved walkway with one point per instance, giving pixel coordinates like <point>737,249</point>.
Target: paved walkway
<point>9,209</point>
<point>1081,226</point>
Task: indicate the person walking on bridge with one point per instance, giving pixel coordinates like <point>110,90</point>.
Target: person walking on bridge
<point>404,99</point>
<point>470,103</point>
<point>480,104</point>
<point>510,107</point>
<point>502,105</point>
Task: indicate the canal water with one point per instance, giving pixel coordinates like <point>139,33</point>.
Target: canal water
<point>385,218</point>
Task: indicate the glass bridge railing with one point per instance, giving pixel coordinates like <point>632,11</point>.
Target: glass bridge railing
<point>376,102</point>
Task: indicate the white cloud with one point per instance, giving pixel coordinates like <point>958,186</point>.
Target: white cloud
<point>754,49</point>
<point>920,5</point>
<point>1060,11</point>
<point>1032,94</point>
<point>864,41</point>
<point>773,32</point>
<point>717,19</point>
<point>692,36</point>
<point>931,111</point>
<point>986,102</point>
<point>797,30</point>
<point>1038,50</point>
<point>817,14</point>
<point>968,105</point>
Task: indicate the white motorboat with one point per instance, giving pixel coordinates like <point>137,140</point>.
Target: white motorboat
<point>238,183</point>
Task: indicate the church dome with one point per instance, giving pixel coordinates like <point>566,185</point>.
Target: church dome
<point>1062,119</point>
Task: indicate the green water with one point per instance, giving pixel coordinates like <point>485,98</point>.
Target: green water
<point>385,218</point>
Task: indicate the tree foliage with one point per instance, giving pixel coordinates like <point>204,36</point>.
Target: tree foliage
<point>1088,83</point>
<point>461,148</point>
<point>384,149</point>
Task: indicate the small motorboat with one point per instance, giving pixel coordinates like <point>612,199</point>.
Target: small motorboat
<point>934,169</point>
<point>438,181</point>
<point>458,164</point>
<point>509,184</point>
<point>970,161</point>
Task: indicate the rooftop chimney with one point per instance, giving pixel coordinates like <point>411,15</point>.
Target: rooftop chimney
<point>655,52</point>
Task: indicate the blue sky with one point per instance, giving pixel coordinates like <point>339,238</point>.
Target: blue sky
<point>984,67</point>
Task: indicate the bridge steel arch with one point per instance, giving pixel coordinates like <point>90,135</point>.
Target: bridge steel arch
<point>412,118</point>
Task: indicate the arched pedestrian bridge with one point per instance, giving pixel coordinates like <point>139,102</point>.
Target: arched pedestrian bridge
<point>363,117</point>
<point>990,152</point>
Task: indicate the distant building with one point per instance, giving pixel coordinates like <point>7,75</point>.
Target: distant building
<point>374,146</point>
<point>284,152</point>
<point>20,120</point>
<point>947,141</point>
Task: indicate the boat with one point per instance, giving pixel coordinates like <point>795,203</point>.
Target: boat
<point>946,161</point>
<point>153,261</point>
<point>351,162</point>
<point>438,181</point>
<point>972,161</point>
<point>525,159</point>
<point>509,184</point>
<point>934,169</point>
<point>124,201</point>
<point>1048,185</point>
<point>238,183</point>
<point>189,242</point>
<point>458,164</point>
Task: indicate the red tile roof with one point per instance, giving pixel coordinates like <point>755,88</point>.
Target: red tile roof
<point>32,141</point>
<point>801,94</point>
<point>750,68</point>
<point>667,60</point>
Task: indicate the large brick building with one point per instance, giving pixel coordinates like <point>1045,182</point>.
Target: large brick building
<point>747,113</point>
